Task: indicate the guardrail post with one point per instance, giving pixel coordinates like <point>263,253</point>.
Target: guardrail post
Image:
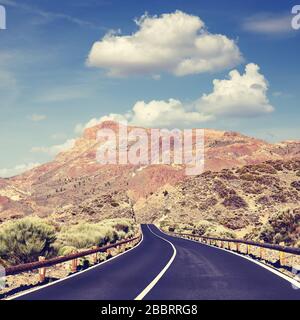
<point>42,271</point>
<point>74,264</point>
<point>261,253</point>
<point>95,256</point>
<point>248,249</point>
<point>281,258</point>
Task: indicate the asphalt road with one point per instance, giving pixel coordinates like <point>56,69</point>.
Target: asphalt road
<point>207,273</point>
<point>156,270</point>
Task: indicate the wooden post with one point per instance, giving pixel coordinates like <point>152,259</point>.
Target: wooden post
<point>249,249</point>
<point>95,256</point>
<point>42,271</point>
<point>74,264</point>
<point>237,247</point>
<point>261,253</point>
<point>281,258</point>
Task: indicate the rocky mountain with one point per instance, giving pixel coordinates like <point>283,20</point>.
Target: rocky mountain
<point>236,202</point>
<point>74,186</point>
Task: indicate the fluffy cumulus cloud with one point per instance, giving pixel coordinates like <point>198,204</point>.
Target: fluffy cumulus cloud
<point>55,149</point>
<point>156,113</point>
<point>164,114</point>
<point>240,95</point>
<point>177,43</point>
<point>18,169</point>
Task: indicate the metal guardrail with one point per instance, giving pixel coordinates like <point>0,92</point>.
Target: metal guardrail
<point>225,243</point>
<point>42,264</point>
<point>276,247</point>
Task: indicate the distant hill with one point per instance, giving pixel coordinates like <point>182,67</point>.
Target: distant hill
<point>74,186</point>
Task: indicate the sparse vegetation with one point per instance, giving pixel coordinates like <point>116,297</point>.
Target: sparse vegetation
<point>281,228</point>
<point>85,235</point>
<point>239,200</point>
<point>202,227</point>
<point>24,240</point>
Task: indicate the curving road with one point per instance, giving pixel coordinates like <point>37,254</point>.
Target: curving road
<point>162,267</point>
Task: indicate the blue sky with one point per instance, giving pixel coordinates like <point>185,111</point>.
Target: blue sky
<point>47,89</point>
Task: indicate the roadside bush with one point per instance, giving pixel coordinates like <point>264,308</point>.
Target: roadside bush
<point>281,227</point>
<point>85,235</point>
<point>119,224</point>
<point>26,239</point>
<point>209,229</point>
<point>66,250</point>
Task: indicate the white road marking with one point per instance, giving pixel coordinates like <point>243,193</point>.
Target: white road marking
<point>75,274</point>
<point>273,270</point>
<point>163,271</point>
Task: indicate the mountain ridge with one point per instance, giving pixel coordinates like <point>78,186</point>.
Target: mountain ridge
<point>75,180</point>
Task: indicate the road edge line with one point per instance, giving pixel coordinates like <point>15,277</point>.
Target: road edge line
<point>162,272</point>
<point>276,272</point>
<point>74,274</point>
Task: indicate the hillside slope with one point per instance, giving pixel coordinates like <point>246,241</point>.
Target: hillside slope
<point>235,201</point>
<point>74,186</point>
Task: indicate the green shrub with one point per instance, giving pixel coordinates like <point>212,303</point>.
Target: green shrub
<point>66,250</point>
<point>281,227</point>
<point>85,235</point>
<point>26,239</point>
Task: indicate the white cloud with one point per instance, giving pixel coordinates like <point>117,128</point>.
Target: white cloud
<point>240,95</point>
<point>55,149</point>
<point>177,43</point>
<point>18,169</point>
<point>268,24</point>
<point>164,114</point>
<point>37,117</point>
